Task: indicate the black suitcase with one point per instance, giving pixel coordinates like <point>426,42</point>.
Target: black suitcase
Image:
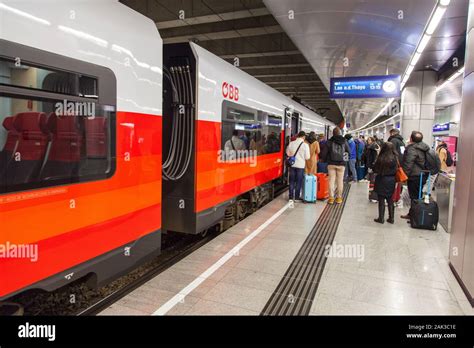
<point>373,196</point>
<point>424,212</point>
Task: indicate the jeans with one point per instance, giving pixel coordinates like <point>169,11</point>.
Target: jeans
<point>351,167</point>
<point>336,180</point>
<point>296,182</point>
<point>391,207</point>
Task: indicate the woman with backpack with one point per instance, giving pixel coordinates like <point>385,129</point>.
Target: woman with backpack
<point>386,167</point>
<point>444,156</point>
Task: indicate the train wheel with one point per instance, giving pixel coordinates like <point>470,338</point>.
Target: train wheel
<point>11,309</point>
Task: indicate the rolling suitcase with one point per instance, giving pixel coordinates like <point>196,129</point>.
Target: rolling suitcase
<point>397,193</point>
<point>373,196</point>
<point>323,186</point>
<point>361,172</point>
<point>424,212</point>
<point>310,188</point>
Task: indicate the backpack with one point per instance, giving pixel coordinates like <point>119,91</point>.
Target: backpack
<point>432,162</point>
<point>449,158</point>
<point>336,152</point>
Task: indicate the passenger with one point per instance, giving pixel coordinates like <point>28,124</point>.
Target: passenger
<point>371,152</point>
<point>337,156</point>
<point>397,140</point>
<point>413,164</point>
<point>378,141</point>
<point>312,163</point>
<point>246,139</point>
<point>273,143</point>
<point>442,152</point>
<point>234,145</point>
<point>256,144</point>
<point>360,148</point>
<point>386,167</point>
<point>322,164</point>
<point>351,164</point>
<point>300,150</point>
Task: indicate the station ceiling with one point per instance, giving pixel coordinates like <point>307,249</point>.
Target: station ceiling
<point>245,29</point>
<point>377,38</point>
<point>298,55</point>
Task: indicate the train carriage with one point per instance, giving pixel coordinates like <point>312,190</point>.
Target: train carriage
<point>80,142</point>
<point>108,140</point>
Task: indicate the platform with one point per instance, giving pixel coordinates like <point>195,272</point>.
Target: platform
<point>273,263</point>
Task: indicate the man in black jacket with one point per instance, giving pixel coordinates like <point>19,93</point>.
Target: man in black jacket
<point>413,164</point>
<point>336,155</point>
<point>397,140</point>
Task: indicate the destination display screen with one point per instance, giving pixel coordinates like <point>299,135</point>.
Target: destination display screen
<point>384,86</point>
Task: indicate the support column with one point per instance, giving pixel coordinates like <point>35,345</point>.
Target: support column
<point>461,252</point>
<point>418,104</point>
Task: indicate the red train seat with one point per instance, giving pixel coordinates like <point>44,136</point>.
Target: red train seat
<point>96,138</point>
<point>32,143</point>
<point>65,151</point>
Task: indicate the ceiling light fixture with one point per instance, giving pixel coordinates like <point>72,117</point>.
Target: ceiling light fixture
<point>433,23</point>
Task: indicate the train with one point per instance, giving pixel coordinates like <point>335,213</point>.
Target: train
<point>109,139</point>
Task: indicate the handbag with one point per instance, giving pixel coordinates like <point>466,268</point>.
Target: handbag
<point>292,159</point>
<point>400,175</point>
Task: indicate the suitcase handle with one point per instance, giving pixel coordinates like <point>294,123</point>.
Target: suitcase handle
<point>420,195</point>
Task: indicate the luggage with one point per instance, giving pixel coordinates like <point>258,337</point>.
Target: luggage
<point>424,212</point>
<point>397,194</point>
<point>361,172</point>
<point>322,167</point>
<point>310,188</point>
<point>323,186</point>
<point>373,196</point>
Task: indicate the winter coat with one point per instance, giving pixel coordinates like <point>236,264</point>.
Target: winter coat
<point>360,149</point>
<point>442,152</point>
<point>414,159</point>
<point>385,179</point>
<point>340,140</point>
<point>353,149</point>
<point>397,141</point>
<point>312,163</point>
<point>370,155</point>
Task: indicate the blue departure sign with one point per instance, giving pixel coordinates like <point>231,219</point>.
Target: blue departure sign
<point>385,86</point>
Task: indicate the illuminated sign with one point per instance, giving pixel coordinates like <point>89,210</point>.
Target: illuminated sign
<point>385,86</point>
<point>441,127</point>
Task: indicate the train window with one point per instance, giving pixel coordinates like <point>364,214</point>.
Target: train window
<point>56,127</point>
<point>19,74</point>
<point>248,132</point>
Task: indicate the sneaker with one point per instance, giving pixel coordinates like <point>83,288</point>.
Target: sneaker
<point>331,200</point>
<point>338,200</point>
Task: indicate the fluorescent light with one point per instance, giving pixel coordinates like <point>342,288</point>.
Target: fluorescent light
<point>435,20</point>
<point>450,79</point>
<point>444,2</point>
<point>83,35</point>
<point>409,71</point>
<point>415,58</point>
<point>24,14</point>
<point>424,41</point>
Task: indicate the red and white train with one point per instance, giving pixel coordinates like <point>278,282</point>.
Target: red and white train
<point>108,138</point>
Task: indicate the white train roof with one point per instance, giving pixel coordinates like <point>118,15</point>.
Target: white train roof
<point>105,33</point>
<point>214,71</point>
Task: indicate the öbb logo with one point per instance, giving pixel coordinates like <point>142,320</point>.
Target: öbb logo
<point>229,91</point>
